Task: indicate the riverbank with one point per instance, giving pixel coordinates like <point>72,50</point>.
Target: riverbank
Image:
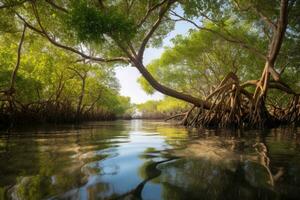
<point>36,118</point>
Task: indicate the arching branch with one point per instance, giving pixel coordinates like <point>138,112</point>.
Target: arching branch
<point>168,91</point>
<point>147,37</point>
<point>42,31</point>
<point>223,36</point>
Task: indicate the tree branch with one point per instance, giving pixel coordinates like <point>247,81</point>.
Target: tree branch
<point>249,83</point>
<point>174,116</point>
<point>282,86</point>
<point>45,34</point>
<point>277,38</point>
<point>14,74</point>
<point>267,20</point>
<point>101,4</point>
<point>168,91</point>
<point>77,72</point>
<point>153,29</point>
<point>280,31</point>
<point>223,36</point>
<point>149,11</point>
<point>54,5</point>
<point>12,4</point>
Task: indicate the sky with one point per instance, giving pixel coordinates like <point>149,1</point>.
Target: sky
<point>128,76</point>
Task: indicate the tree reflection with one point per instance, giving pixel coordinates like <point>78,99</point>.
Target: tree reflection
<point>155,161</point>
<point>216,167</point>
<point>49,163</point>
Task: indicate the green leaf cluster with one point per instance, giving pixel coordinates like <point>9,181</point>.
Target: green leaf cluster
<point>93,25</point>
<point>161,108</point>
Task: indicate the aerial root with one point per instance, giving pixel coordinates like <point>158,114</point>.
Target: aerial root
<point>233,106</point>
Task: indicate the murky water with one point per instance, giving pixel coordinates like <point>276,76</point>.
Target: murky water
<point>149,160</point>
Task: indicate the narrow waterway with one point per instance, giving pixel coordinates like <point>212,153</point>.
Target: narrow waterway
<point>148,160</point>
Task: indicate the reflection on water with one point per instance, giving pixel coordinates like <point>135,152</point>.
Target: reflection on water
<point>148,160</point>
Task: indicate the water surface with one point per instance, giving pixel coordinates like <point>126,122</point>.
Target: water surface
<point>148,160</point>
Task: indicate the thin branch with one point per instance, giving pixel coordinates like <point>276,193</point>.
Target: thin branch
<point>273,85</point>
<point>282,86</point>
<point>77,72</point>
<point>14,74</point>
<point>267,20</point>
<point>53,4</point>
<point>240,8</point>
<point>236,41</point>
<point>153,29</point>
<point>45,34</point>
<point>94,103</point>
<point>149,11</point>
<point>174,116</point>
<point>283,69</point>
<point>265,30</point>
<point>12,4</point>
<point>130,5</point>
<point>132,49</point>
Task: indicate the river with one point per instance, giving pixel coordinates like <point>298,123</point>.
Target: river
<point>148,160</point>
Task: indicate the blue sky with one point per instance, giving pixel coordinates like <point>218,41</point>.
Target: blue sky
<point>128,76</point>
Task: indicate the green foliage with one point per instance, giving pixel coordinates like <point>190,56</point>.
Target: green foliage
<point>47,76</point>
<point>214,8</point>
<point>198,62</point>
<point>91,24</point>
<point>171,105</point>
<point>162,108</point>
<point>7,22</point>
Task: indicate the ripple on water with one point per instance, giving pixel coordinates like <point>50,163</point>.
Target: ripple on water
<point>149,160</point>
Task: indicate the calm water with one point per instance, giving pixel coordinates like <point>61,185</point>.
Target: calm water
<point>149,160</point>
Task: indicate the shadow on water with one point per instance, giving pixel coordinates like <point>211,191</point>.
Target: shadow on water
<point>149,160</point>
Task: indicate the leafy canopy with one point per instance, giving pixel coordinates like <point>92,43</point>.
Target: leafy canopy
<point>93,25</point>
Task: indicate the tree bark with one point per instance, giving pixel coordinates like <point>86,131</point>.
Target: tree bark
<point>259,112</point>
<point>168,91</point>
<point>15,71</point>
<point>80,98</point>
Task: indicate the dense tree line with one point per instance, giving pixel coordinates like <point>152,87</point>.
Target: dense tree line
<point>42,83</point>
<point>238,61</point>
<point>161,109</point>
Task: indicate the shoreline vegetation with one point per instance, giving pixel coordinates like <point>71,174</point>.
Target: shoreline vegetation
<point>238,66</point>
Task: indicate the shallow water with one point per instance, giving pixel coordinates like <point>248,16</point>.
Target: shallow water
<point>148,160</point>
